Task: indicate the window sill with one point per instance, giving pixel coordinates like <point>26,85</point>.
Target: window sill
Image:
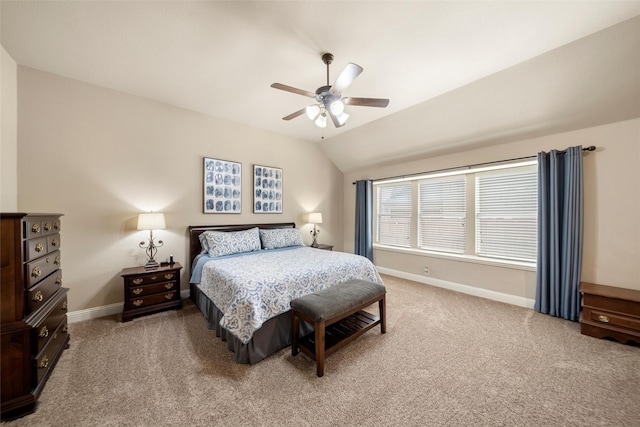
<point>516,265</point>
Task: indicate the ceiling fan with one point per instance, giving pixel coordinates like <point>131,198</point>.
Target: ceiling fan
<point>329,101</point>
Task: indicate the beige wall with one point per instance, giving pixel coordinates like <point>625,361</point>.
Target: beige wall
<point>9,139</point>
<point>612,211</point>
<point>100,157</point>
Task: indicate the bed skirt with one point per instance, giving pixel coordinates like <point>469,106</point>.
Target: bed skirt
<point>273,335</point>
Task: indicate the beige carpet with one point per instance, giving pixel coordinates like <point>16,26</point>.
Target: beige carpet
<point>447,359</point>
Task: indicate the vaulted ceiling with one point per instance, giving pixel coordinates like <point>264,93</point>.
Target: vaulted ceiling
<point>458,74</point>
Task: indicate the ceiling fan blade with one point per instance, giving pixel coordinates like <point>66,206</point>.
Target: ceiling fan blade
<point>294,115</point>
<point>346,77</point>
<point>293,90</point>
<point>366,102</point>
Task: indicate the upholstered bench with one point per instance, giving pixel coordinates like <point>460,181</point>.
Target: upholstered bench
<point>337,318</point>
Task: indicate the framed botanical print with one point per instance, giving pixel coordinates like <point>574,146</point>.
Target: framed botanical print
<point>267,189</point>
<point>222,186</point>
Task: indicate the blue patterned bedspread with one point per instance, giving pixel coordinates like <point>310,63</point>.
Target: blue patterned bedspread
<point>257,286</point>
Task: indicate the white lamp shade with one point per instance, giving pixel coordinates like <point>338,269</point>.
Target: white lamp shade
<point>337,107</point>
<point>151,221</point>
<point>321,121</point>
<point>312,111</point>
<point>315,218</point>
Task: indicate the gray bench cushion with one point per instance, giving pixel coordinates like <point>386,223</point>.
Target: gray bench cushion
<point>331,302</point>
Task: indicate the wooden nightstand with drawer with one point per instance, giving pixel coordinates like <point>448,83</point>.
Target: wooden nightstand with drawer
<point>610,312</point>
<point>150,291</point>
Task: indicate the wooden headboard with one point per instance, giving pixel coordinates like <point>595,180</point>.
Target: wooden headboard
<point>196,230</point>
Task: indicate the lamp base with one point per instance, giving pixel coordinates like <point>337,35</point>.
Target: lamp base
<point>314,244</point>
<point>151,264</point>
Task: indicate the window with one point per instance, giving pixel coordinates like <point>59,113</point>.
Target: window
<point>507,214</point>
<point>481,214</point>
<point>394,214</point>
<point>442,214</point>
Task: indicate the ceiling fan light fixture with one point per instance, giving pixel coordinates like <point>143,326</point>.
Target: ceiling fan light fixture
<point>321,121</point>
<point>342,118</point>
<point>312,111</point>
<point>337,107</point>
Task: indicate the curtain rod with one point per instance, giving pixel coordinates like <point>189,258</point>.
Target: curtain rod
<point>590,148</point>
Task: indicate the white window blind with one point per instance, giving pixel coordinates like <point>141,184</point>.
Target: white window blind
<point>506,213</point>
<point>442,214</point>
<point>394,214</point>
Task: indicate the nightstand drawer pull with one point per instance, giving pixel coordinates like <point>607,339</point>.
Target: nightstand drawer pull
<point>36,272</point>
<point>603,319</point>
<point>138,302</point>
<point>65,329</point>
<point>35,228</point>
<point>57,261</point>
<point>154,277</point>
<point>64,306</point>
<point>44,332</point>
<point>137,291</point>
<point>39,247</point>
<point>44,363</point>
<point>47,226</point>
<point>54,242</point>
<point>169,296</point>
<point>168,276</point>
<point>38,297</point>
<point>59,280</point>
<point>137,281</point>
<point>168,285</point>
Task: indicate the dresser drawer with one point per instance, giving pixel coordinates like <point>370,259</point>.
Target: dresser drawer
<point>154,299</point>
<point>145,279</point>
<point>42,267</point>
<point>144,290</point>
<point>45,328</point>
<point>40,226</point>
<point>48,356</point>
<point>614,319</point>
<point>38,295</point>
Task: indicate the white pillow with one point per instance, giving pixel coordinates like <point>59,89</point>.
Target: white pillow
<point>232,242</point>
<point>280,238</point>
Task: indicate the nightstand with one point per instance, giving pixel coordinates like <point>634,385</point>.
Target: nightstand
<point>150,291</point>
<point>325,247</point>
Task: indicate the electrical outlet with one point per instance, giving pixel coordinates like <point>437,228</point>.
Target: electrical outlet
<point>426,271</point>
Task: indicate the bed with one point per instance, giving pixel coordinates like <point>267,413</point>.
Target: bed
<point>245,293</point>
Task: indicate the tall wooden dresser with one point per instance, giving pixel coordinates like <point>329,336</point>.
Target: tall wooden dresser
<point>33,306</point>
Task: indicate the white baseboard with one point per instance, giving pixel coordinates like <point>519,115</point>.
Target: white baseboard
<point>465,289</point>
<point>105,310</point>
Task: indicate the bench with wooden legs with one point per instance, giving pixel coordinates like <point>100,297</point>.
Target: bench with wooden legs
<point>337,316</point>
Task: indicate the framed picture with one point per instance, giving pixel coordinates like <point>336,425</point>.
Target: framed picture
<point>222,186</point>
<point>267,189</point>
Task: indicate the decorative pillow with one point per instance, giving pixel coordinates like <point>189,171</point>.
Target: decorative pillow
<point>203,242</point>
<point>232,242</point>
<point>280,238</point>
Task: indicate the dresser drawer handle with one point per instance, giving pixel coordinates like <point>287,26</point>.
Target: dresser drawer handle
<point>154,277</point>
<point>603,319</point>
<point>35,228</point>
<point>36,272</point>
<point>59,280</point>
<point>38,297</point>
<point>44,332</point>
<point>56,226</point>
<point>168,276</point>
<point>138,302</point>
<point>57,261</point>
<point>65,329</point>
<point>137,291</point>
<point>54,242</point>
<point>64,306</point>
<point>47,226</point>
<point>39,247</point>
<point>168,285</point>
<point>137,281</point>
<point>169,296</point>
<point>44,363</point>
